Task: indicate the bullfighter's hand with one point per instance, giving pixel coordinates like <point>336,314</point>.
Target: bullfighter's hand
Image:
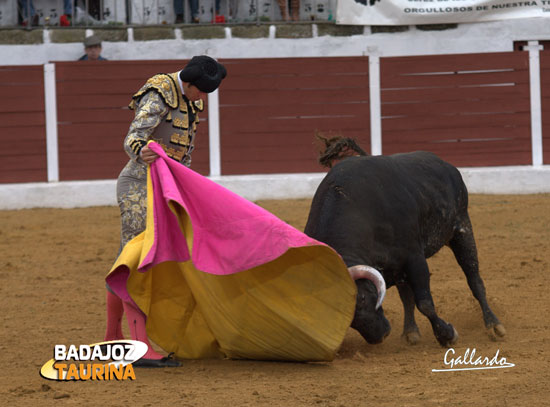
<point>148,155</point>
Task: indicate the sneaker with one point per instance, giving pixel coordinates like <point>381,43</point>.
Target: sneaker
<point>34,21</point>
<point>65,20</point>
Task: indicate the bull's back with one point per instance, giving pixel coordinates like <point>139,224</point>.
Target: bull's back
<point>377,202</point>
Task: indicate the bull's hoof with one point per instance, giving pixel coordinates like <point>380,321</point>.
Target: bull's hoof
<point>412,338</point>
<point>496,332</point>
<point>455,337</point>
<point>447,343</point>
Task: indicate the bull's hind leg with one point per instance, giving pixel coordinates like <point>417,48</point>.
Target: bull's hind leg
<point>464,248</point>
<point>410,329</point>
<point>418,277</point>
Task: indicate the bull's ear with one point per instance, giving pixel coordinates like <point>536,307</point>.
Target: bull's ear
<point>370,273</point>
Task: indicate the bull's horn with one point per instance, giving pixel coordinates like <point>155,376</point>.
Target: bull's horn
<point>362,271</point>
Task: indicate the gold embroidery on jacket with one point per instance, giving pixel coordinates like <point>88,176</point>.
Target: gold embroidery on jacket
<point>176,154</point>
<point>181,123</point>
<point>199,105</point>
<point>174,131</point>
<point>162,83</point>
<point>136,146</point>
<point>180,139</point>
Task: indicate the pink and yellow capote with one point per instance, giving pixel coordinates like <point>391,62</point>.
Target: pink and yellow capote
<point>218,276</point>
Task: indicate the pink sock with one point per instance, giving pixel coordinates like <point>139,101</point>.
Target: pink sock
<point>136,322</point>
<point>114,317</point>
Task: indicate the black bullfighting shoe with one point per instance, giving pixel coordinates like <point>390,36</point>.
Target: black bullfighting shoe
<point>167,361</point>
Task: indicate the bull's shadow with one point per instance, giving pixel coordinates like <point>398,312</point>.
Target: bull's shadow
<point>385,215</point>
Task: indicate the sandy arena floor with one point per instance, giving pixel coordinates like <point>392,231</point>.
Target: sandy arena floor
<point>53,262</point>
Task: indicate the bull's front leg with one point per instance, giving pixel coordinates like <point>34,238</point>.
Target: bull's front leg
<point>411,333</point>
<point>418,277</point>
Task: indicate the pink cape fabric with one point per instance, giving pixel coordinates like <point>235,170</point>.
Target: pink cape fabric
<point>217,276</point>
<point>230,233</point>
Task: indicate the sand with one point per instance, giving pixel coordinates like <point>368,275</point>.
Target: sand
<point>53,263</point>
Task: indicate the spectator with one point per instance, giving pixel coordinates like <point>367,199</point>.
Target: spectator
<point>218,17</point>
<point>67,17</point>
<point>27,12</point>
<point>94,9</point>
<point>92,49</point>
<point>294,5</point>
<point>193,4</point>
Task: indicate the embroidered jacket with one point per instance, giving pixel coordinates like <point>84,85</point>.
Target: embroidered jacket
<point>165,115</point>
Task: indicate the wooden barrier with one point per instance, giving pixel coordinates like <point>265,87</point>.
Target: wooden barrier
<point>271,110</point>
<point>22,124</point>
<point>93,115</point>
<point>471,109</point>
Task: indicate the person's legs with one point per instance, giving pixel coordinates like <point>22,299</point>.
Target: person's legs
<point>284,9</point>
<point>194,5</point>
<point>178,7</point>
<point>26,7</point>
<point>178,11</point>
<point>295,6</point>
<point>136,323</point>
<point>68,7</point>
<point>115,310</point>
<point>132,201</point>
<point>66,19</point>
<point>218,15</point>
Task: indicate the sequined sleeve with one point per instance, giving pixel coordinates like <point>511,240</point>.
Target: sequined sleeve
<point>149,112</point>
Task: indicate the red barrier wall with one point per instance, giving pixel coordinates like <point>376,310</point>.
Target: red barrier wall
<point>271,109</point>
<point>93,116</point>
<point>22,124</point>
<point>472,110</point>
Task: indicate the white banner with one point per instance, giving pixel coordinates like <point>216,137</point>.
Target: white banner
<point>405,12</point>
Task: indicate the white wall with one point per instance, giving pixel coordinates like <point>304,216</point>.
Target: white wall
<point>74,194</point>
<point>467,38</point>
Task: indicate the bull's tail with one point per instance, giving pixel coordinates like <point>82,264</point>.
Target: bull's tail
<point>338,148</point>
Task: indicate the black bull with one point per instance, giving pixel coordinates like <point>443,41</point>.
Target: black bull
<point>391,213</point>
